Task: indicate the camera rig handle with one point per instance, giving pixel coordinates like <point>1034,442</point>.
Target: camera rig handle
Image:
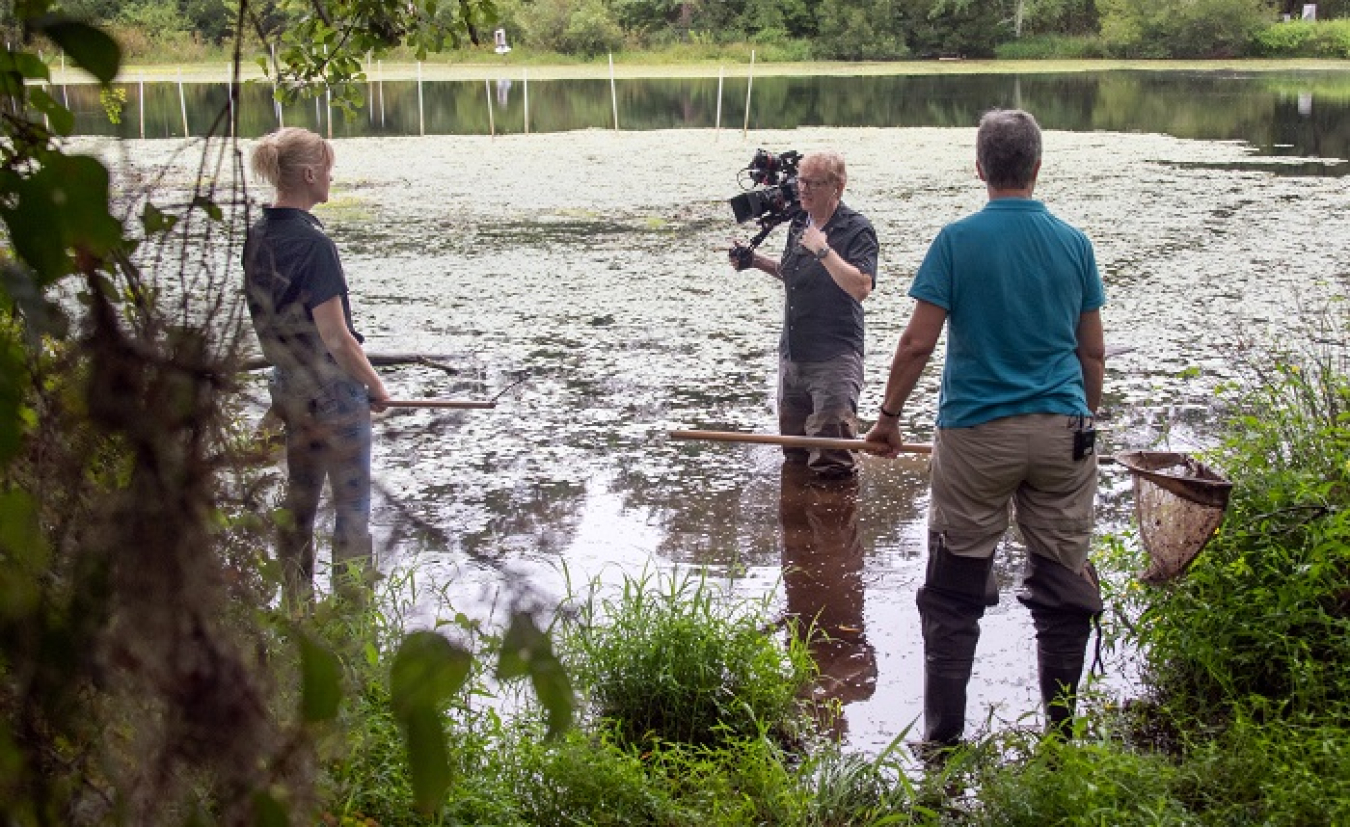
<point>742,255</point>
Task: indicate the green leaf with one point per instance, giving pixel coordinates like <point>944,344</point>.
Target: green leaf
<point>11,407</point>
<point>428,758</point>
<point>426,672</point>
<point>62,119</point>
<point>528,651</point>
<point>268,812</point>
<point>554,689</point>
<point>522,644</point>
<point>210,207</point>
<point>90,48</point>
<point>25,551</point>
<point>322,681</point>
<point>155,220</point>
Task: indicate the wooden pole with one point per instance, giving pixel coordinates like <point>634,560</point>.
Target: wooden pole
<point>440,403</point>
<point>824,443</point>
<point>527,99</point>
<point>421,119</point>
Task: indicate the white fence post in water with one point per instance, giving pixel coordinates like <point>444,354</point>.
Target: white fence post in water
<point>229,92</point>
<point>140,82</point>
<point>421,120</point>
<point>487,94</point>
<point>717,124</point>
<point>613,93</point>
<point>526,83</point>
<point>182,103</point>
<point>328,108</point>
<point>750,84</point>
<point>276,104</point>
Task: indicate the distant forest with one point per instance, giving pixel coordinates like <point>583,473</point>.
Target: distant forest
<point>802,29</point>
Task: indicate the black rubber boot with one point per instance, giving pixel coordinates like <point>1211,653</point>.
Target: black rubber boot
<point>953,599</point>
<point>1063,606</point>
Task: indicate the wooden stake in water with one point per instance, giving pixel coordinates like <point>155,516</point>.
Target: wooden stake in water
<point>750,84</point>
<point>379,74</point>
<point>613,93</point>
<point>140,82</point>
<point>487,93</point>
<point>328,110</point>
<point>421,120</point>
<point>182,104</point>
<point>527,101</point>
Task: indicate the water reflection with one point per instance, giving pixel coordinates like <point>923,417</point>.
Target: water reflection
<point>822,557</point>
<point>1281,113</point>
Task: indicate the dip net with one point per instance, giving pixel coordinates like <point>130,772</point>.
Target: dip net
<point>1179,504</point>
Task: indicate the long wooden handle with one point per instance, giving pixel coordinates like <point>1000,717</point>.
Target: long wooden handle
<point>438,403</point>
<point>827,443</point>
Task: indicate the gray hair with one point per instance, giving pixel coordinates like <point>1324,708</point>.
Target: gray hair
<point>831,162</point>
<point>1008,146</point>
<point>281,156</point>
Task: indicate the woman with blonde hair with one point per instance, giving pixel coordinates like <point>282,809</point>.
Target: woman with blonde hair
<point>322,384</point>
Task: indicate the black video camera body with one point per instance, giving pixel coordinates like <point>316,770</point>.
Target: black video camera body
<point>776,198</point>
<point>773,200</point>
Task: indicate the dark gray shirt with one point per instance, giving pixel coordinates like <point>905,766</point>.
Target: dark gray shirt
<point>291,267</point>
<point>820,319</point>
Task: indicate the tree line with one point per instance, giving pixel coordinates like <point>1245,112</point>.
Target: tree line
<point>806,29</point>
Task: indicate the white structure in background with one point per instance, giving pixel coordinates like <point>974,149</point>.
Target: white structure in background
<point>499,37</point>
<point>1309,11</point>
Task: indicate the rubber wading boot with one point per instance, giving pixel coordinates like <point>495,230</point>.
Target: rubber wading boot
<point>955,593</point>
<point>1063,607</point>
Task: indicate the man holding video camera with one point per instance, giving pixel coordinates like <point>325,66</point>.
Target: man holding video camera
<point>1020,294</point>
<point>828,267</point>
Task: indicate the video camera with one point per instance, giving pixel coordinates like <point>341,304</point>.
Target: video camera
<point>773,200</point>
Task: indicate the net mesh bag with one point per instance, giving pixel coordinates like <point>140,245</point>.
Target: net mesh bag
<point>1179,504</point>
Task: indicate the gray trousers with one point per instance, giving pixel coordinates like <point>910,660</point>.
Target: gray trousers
<point>820,399</point>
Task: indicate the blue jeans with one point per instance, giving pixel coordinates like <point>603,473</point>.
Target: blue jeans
<point>328,437</point>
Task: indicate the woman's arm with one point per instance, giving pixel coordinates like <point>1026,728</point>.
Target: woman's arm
<point>346,351</point>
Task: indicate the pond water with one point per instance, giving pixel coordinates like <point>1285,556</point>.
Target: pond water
<point>1278,113</point>
<point>581,273</point>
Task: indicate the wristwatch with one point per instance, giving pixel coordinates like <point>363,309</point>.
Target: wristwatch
<point>822,253</point>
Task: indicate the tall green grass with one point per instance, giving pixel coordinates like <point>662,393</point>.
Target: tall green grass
<point>682,663</point>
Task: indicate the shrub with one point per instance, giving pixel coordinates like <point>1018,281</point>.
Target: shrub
<point>1264,613</point>
<point>684,665</point>
<point>1304,38</point>
<point>1163,28</point>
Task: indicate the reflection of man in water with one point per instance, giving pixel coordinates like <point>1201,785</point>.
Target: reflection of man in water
<point>822,575</point>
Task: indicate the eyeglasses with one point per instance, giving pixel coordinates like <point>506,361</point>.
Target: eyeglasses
<point>813,183</point>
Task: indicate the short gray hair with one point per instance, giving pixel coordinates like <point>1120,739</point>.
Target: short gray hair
<point>1008,146</point>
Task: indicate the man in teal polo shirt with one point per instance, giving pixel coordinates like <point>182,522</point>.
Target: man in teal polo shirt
<point>1019,292</point>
